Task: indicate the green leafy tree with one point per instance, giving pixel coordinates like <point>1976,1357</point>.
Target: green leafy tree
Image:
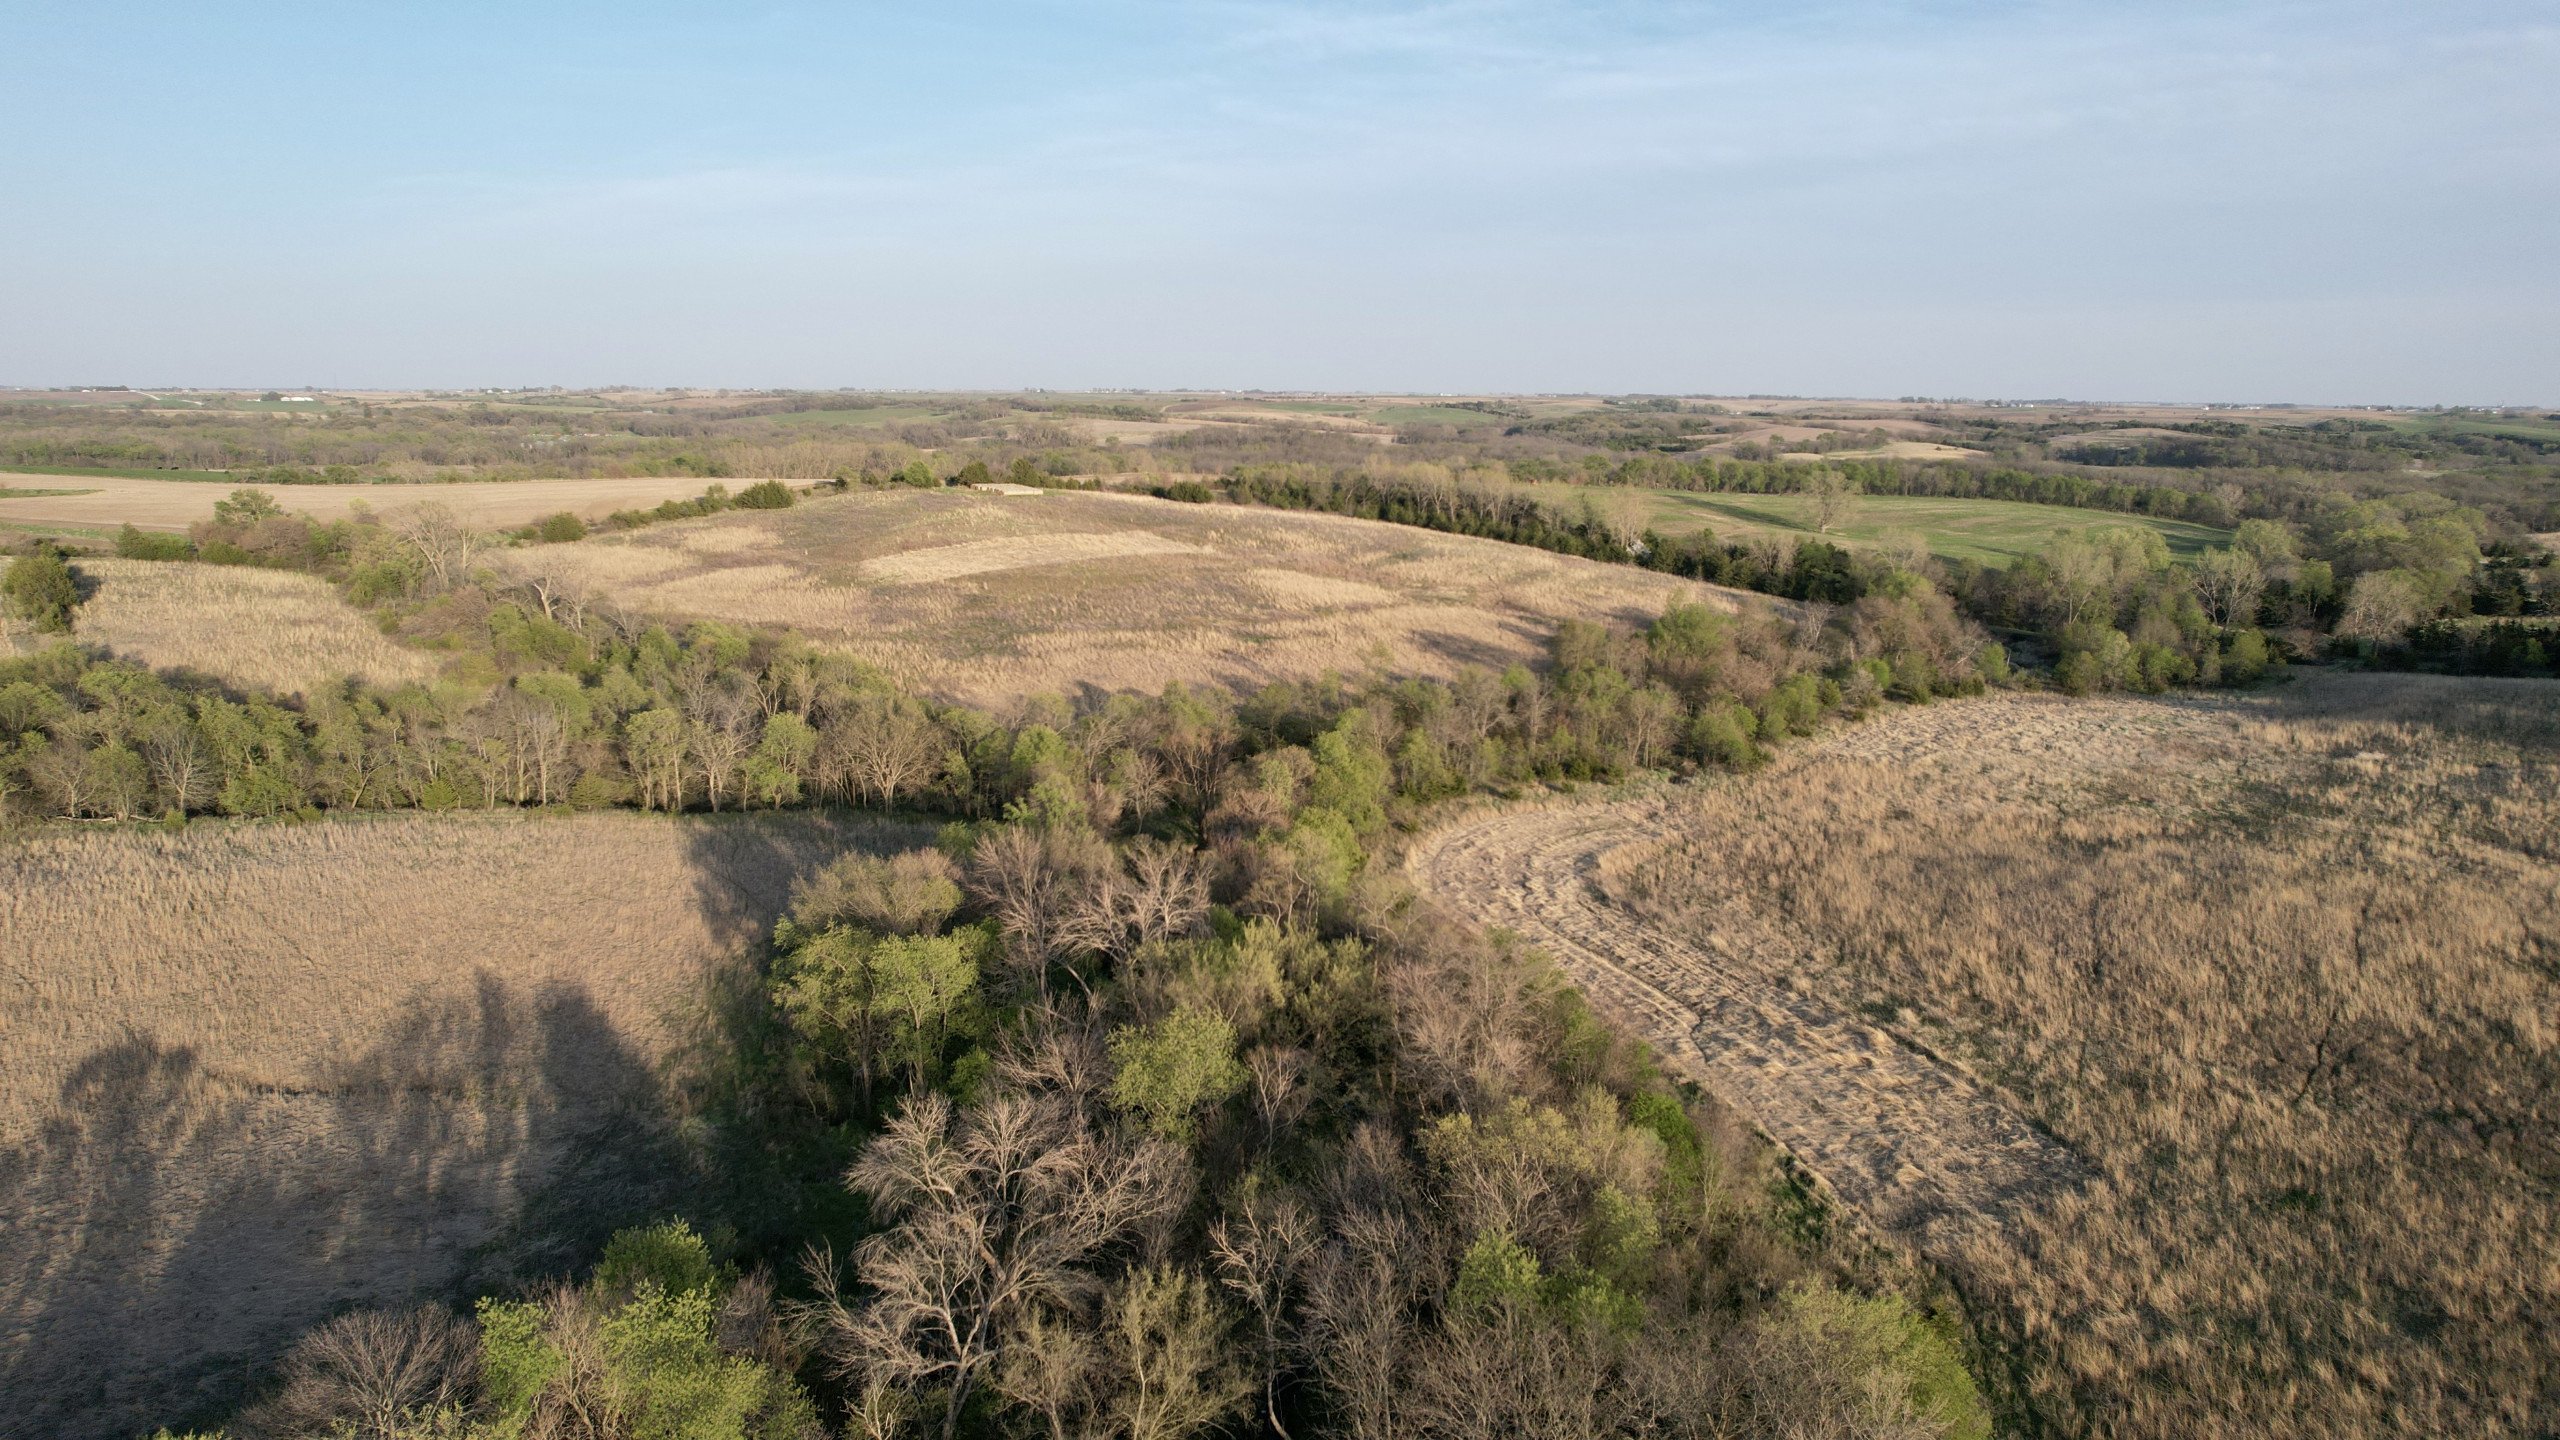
<point>1919,1354</point>
<point>780,761</point>
<point>1352,777</point>
<point>635,1353</point>
<point>246,507</point>
<point>1169,1072</point>
<point>1495,1275</point>
<point>877,1002</point>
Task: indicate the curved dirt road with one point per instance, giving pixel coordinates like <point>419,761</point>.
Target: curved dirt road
<point>1924,1152</point>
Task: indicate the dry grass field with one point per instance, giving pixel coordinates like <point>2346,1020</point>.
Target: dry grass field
<point>106,501</point>
<point>2282,970</point>
<point>272,630</point>
<point>983,598</point>
<point>254,1073</point>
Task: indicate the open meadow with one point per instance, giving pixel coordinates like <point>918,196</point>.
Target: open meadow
<point>981,597</point>
<point>1988,532</point>
<point>95,504</point>
<point>2279,969</point>
<point>281,631</point>
<point>252,1074</point>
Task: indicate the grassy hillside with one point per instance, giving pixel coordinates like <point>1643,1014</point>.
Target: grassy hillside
<point>2279,967</point>
<point>984,598</point>
<point>272,630</point>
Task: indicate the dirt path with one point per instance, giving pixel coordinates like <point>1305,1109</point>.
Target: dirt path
<point>1923,1151</point>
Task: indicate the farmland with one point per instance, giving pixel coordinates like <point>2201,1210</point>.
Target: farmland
<point>2273,972</point>
<point>985,598</point>
<point>270,630</point>
<point>256,1073</point>
<point>1988,532</point>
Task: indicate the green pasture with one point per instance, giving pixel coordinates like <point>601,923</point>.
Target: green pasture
<point>1989,532</point>
<point>1433,415</point>
<point>1307,407</point>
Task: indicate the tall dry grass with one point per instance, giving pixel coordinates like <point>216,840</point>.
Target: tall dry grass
<point>2284,969</point>
<point>254,1073</point>
<point>984,598</point>
<point>272,630</point>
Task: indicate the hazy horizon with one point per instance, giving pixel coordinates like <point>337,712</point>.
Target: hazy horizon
<point>2342,204</point>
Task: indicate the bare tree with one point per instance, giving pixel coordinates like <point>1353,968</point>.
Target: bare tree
<point>1031,882</point>
<point>880,750</point>
<point>1279,1091</point>
<point>560,597</point>
<point>719,732</point>
<point>1263,1254</point>
<point>373,1374</point>
<point>2230,581</point>
<point>1165,1368</point>
<point>1651,718</point>
<point>180,765</point>
<point>443,544</point>
<point>996,1215</point>
<point>1158,895</point>
<point>1832,498</point>
<point>911,893</point>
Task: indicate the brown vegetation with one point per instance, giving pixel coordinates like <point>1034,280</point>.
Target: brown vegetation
<point>106,501</point>
<point>984,598</point>
<point>2279,968</point>
<point>250,1074</point>
<point>273,630</point>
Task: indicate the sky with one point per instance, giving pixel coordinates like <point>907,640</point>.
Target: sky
<point>2341,202</point>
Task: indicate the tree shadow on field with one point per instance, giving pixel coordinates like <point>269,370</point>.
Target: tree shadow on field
<point>170,1228</point>
<point>769,1174</point>
<point>743,863</point>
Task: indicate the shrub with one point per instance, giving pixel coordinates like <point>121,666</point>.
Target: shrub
<point>39,589</point>
<point>765,495</point>
<point>669,1256</point>
<point>560,529</point>
<point>133,544</point>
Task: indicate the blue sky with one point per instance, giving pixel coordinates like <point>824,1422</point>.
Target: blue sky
<point>2320,202</point>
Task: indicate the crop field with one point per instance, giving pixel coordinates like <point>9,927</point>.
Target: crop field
<point>2279,972</point>
<point>1990,532</point>
<point>1434,415</point>
<point>984,598</point>
<point>251,1074</point>
<point>108,501</point>
<point>860,417</point>
<point>274,630</point>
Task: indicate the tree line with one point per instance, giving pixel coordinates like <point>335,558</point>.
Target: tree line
<point>2352,578</point>
<point>560,697</point>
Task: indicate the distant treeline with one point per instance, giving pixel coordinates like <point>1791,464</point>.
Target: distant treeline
<point>2356,578</point>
